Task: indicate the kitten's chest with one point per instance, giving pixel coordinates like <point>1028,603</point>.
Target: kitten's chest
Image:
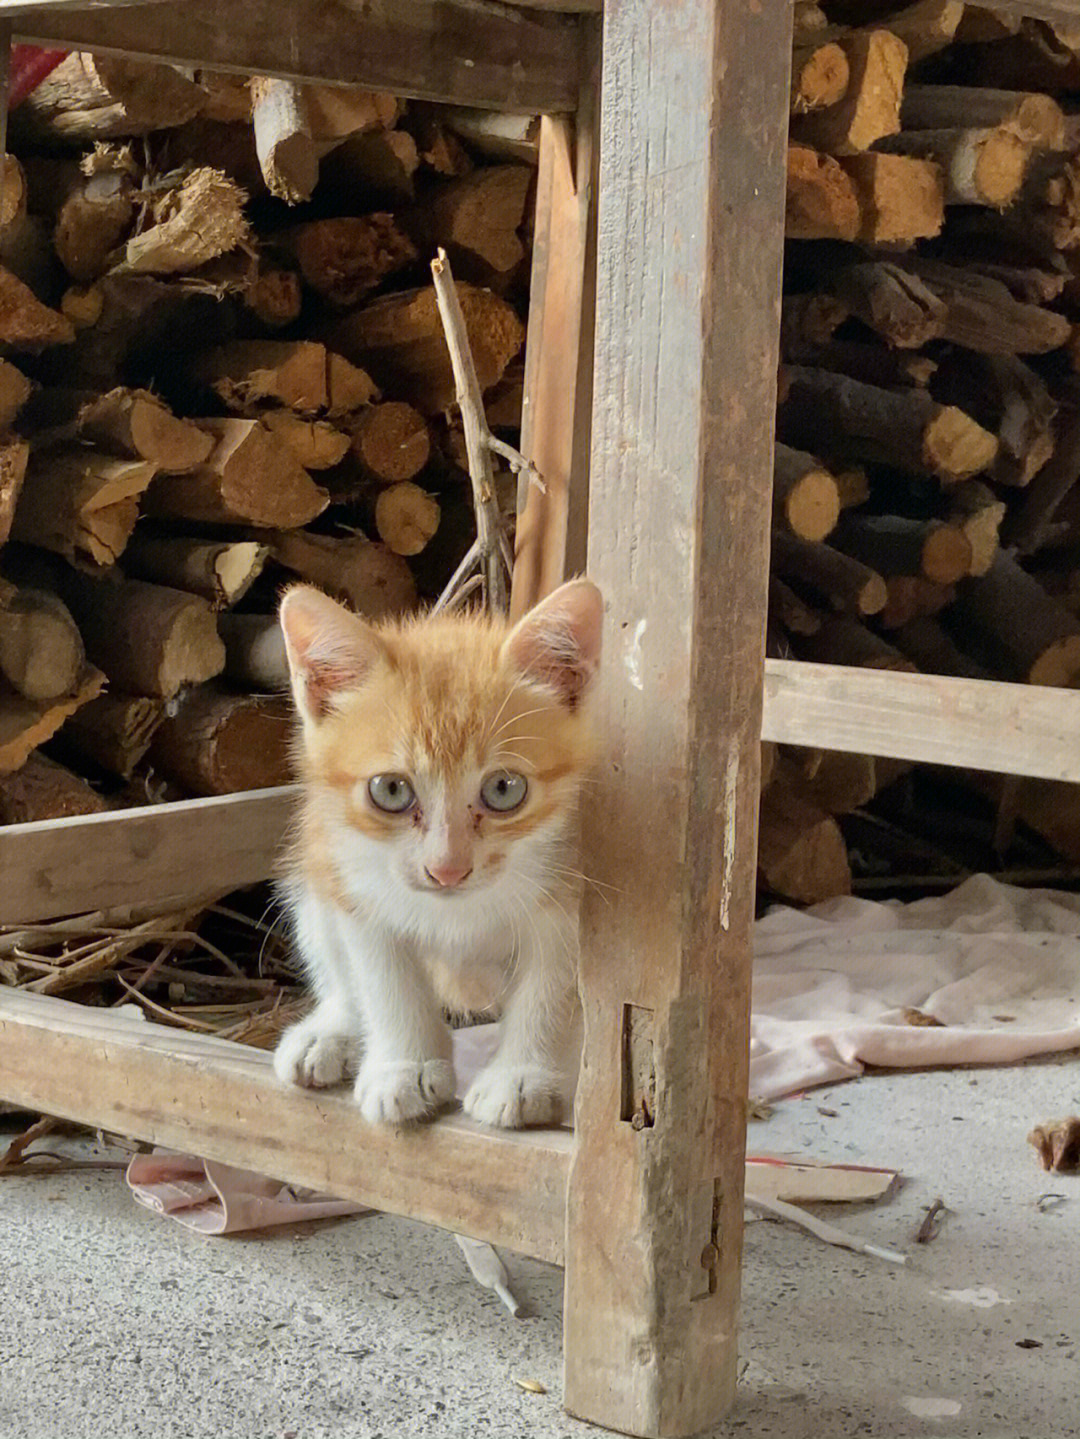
<point>470,976</point>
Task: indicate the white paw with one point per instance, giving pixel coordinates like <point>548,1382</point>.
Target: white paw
<point>313,1056</point>
<point>511,1096</point>
<point>405,1090</point>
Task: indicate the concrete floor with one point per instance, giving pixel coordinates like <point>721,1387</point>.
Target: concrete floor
<point>116,1324</point>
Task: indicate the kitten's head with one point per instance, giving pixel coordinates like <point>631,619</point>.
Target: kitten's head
<point>444,755</point>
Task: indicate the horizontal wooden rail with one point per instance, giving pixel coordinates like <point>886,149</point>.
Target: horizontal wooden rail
<point>455,51</point>
<point>202,1095</point>
<point>969,724</point>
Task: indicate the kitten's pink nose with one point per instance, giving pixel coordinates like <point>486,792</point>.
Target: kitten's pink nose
<point>448,876</point>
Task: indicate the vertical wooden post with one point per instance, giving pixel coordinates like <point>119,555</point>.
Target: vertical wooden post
<point>691,208</point>
<point>558,368</point>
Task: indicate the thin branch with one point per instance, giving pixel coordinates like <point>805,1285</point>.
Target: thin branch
<point>478,447</point>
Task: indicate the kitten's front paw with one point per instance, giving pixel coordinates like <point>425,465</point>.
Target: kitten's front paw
<point>513,1096</point>
<point>313,1056</point>
<point>405,1090</point>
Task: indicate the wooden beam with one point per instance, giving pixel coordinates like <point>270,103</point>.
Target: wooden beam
<point>558,363</point>
<point>464,52</point>
<point>206,1096</point>
<point>692,181</point>
<point>185,850</point>
<point>971,724</point>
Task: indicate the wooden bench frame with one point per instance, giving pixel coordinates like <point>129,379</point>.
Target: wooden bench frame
<point>643,1203</point>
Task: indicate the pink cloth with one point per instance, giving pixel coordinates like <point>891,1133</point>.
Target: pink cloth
<point>999,967</point>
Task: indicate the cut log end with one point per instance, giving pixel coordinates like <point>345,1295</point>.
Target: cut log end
<point>955,447</point>
<point>406,518</point>
<point>391,442</point>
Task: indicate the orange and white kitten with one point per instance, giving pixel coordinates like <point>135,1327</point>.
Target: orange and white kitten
<point>435,865</point>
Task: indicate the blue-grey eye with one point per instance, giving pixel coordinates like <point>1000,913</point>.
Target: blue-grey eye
<point>392,793</point>
<point>504,791</point>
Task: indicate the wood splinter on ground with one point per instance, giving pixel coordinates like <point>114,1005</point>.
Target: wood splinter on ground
<point>1058,1144</point>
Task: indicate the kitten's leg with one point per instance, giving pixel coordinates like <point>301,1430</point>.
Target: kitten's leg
<point>527,1082</point>
<point>407,1072</point>
<point>322,1048</point>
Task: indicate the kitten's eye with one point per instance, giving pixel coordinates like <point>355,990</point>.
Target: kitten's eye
<point>504,790</point>
<point>392,793</point>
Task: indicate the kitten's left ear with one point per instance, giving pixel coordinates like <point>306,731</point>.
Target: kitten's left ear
<point>558,642</point>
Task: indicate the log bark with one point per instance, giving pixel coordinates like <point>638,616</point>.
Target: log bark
<point>843,582</point>
<point>98,97</point>
<point>149,639</point>
<point>374,581</point>
<point>399,339</point>
<point>934,651</point>
<point>14,455</point>
<point>502,137</point>
<point>219,743</point>
<point>316,444</point>
<point>114,731</point>
<point>936,551</point>
<point>1036,119</point>
<point>80,504</point>
<point>901,199</point>
<point>809,319</point>
<point>906,429</point>
<point>202,218</point>
<point>981,314</point>
<point>248,479</point>
<point>785,606</point>
<point>287,154</point>
<point>41,650</point>
<point>1028,634</point>
<point>801,852</point>
<point>13,205</point>
<point>25,724</point>
<point>137,425</point>
<point>980,166</point>
<point>870,364</point>
<point>380,164</point>
<point>844,641</point>
<point>391,442</point>
<point>927,26</point>
<point>42,790</point>
<point>1008,398</point>
<point>1030,525</point>
<point>298,374</point>
<point>805,495</point>
<point>221,571</point>
<point>834,781</point>
<point>406,517</point>
<point>870,108</point>
<point>345,259</point>
<point>821,201</point>
<point>894,303</point>
<point>820,74</point>
<point>25,323</point>
<point>255,655</point>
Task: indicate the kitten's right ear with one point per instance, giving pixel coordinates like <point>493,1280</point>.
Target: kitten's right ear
<point>329,649</point>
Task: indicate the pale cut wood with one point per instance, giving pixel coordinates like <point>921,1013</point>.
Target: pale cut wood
<point>806,498</point>
<point>821,203</point>
<point>900,199</point>
<point>139,426</point>
<point>14,456</point>
<point>93,221</point>
<point>801,852</point>
<point>870,108</point>
<point>687,340</point>
<point>81,504</point>
<point>25,323</point>
<point>41,650</point>
<point>549,540</point>
<point>370,578</point>
<point>1037,119</point>
<point>298,374</point>
<point>316,444</point>
<point>981,166</point>
<point>15,390</point>
<point>88,99</point>
<point>221,571</point>
<point>929,719</point>
<point>406,517</point>
<point>819,74</point>
<point>491,58</point>
<point>505,137</point>
<point>200,220</point>
<point>248,479</point>
<point>199,1094</point>
<point>391,442</point>
<point>25,724</point>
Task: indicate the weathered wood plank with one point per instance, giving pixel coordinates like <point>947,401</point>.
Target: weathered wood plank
<point>464,52</point>
<point>691,192</point>
<point>188,849</point>
<point>971,724</point>
<point>205,1096</point>
<point>558,366</point>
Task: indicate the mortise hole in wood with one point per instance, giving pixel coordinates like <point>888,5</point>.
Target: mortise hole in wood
<point>708,1281</point>
<point>638,1103</point>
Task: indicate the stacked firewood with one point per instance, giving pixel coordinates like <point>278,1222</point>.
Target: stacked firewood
<point>224,368</point>
<point>927,511</point>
